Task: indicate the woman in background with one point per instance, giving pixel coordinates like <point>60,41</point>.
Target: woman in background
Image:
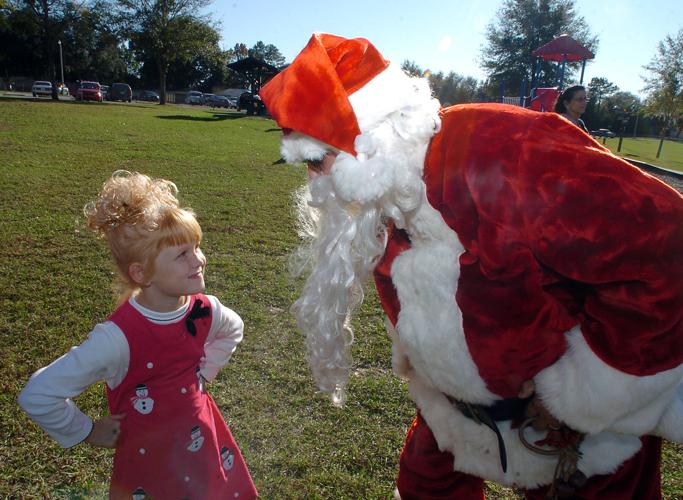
<point>572,104</point>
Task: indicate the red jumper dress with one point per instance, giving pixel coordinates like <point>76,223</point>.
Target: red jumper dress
<point>174,443</point>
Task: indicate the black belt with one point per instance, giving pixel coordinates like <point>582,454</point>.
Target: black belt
<point>503,409</point>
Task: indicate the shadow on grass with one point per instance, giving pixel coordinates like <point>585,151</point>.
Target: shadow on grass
<point>217,117</point>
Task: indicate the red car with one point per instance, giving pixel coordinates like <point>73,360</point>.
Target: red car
<point>89,91</point>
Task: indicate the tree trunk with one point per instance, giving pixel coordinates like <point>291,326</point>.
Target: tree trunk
<point>47,40</point>
<point>162,82</point>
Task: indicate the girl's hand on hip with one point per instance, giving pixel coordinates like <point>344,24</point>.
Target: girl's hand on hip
<point>105,432</point>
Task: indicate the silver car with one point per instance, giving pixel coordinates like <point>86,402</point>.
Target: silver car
<point>41,87</point>
<point>194,97</point>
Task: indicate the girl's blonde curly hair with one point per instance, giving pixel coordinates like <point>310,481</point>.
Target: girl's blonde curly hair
<point>139,216</point>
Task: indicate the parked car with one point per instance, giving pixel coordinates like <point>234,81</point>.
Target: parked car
<point>89,91</point>
<point>148,95</point>
<point>216,101</point>
<point>120,92</point>
<point>233,96</point>
<point>41,88</point>
<point>251,103</point>
<point>194,97</point>
<point>105,91</point>
<point>603,132</point>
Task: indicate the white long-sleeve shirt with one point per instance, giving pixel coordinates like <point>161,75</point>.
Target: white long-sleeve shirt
<point>104,355</point>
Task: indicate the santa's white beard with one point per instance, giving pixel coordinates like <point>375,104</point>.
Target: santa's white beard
<point>342,244</point>
<point>341,219</point>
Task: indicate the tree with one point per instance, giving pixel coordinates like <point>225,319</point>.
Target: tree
<point>412,68</point>
<point>596,115</point>
<point>522,26</point>
<point>42,10</point>
<point>239,51</point>
<point>46,26</point>
<point>164,31</point>
<point>620,109</point>
<point>91,43</point>
<point>20,38</point>
<point>453,88</point>
<point>449,89</point>
<point>599,88</point>
<point>205,68</point>
<point>267,53</point>
<point>87,30</point>
<point>664,84</point>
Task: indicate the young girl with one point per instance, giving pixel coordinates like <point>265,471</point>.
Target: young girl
<point>154,353</point>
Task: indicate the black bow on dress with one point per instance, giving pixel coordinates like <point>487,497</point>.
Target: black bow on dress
<point>198,311</point>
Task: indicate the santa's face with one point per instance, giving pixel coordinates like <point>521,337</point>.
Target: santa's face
<point>322,166</point>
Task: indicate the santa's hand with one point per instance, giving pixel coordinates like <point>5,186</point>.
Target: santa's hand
<point>105,432</point>
<point>527,390</point>
<point>542,418</point>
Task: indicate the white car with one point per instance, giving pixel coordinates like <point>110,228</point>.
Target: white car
<point>194,97</point>
<point>41,87</point>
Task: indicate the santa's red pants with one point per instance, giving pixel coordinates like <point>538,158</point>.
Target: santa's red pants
<point>427,473</point>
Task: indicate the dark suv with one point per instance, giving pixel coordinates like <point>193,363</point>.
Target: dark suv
<point>120,92</point>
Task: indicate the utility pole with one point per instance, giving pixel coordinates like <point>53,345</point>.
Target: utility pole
<point>61,61</point>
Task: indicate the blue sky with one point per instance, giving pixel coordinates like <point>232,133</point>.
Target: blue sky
<point>447,35</point>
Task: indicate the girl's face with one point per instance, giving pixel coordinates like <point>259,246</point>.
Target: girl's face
<point>178,271</point>
<point>577,105</point>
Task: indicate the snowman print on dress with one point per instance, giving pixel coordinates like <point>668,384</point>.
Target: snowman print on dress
<point>197,439</point>
<point>139,494</point>
<point>141,401</point>
<point>228,458</point>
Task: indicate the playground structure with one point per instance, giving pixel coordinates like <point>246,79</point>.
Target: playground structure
<point>562,49</point>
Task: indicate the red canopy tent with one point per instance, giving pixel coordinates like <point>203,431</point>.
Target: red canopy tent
<point>562,49</point>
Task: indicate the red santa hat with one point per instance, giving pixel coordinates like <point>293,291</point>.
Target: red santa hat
<point>311,95</point>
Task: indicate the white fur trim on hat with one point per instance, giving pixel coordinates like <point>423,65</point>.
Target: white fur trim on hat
<point>388,92</point>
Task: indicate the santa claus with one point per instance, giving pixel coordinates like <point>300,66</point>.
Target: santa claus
<point>525,272</point>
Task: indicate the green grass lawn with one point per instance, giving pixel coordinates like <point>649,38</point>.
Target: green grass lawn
<point>56,284</point>
<point>645,150</point>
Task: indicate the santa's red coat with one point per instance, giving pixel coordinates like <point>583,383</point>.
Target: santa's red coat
<point>557,232</point>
